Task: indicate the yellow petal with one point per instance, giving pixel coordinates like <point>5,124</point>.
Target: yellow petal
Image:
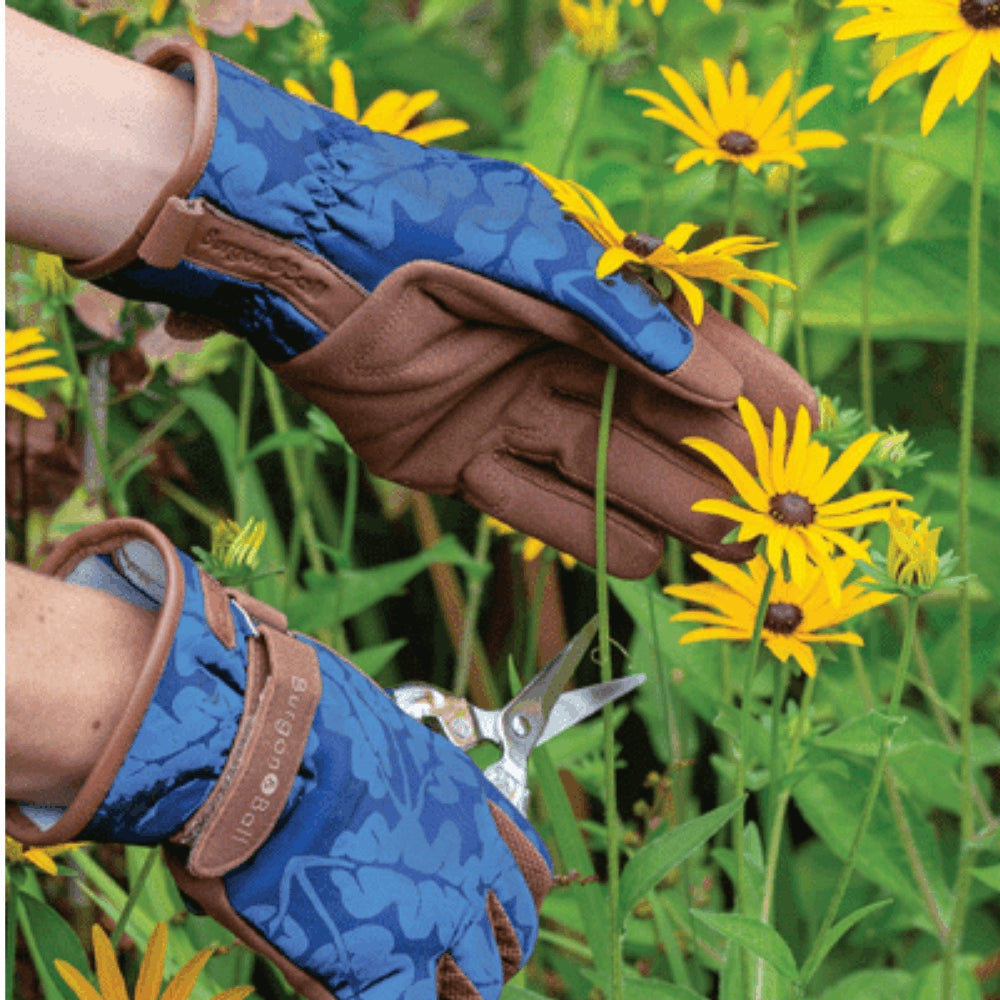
<point>779,437</point>
<point>613,259</point>
<point>441,128</point>
<point>179,988</point>
<point>36,374</point>
<point>733,469</point>
<point>76,981</point>
<point>26,404</point>
<point>345,98</point>
<point>147,986</point>
<point>942,90</point>
<point>30,357</point>
<point>18,339</point>
<point>690,99</point>
<point>109,976</point>
<point>295,88</point>
<point>843,468</point>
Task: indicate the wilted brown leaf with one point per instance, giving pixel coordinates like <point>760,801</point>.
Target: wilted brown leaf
<point>228,17</point>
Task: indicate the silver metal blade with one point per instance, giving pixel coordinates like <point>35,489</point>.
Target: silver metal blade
<point>575,706</point>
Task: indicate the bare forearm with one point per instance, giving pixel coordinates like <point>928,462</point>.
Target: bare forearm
<point>72,656</point>
<point>91,139</point>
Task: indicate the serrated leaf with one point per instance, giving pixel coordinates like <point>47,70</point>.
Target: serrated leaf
<point>760,939</point>
<point>653,860</point>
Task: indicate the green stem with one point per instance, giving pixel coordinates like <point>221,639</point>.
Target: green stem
<point>778,821</point>
<point>811,963</point>
<point>868,277</point>
<point>779,685</point>
<point>240,512</point>
<point>593,78</point>
<point>516,60</point>
<point>798,330</point>
<point>473,599</point>
<point>188,504</point>
<point>530,655</point>
<point>148,438</point>
<point>963,878</point>
<point>604,638</point>
<point>351,490</point>
<point>135,890</point>
<point>732,185</point>
<point>300,502</point>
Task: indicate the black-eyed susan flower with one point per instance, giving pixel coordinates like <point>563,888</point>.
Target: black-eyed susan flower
<point>797,612</point>
<point>737,126</point>
<point>391,112</point>
<point>646,256</point>
<point>235,551</point>
<point>21,357</point>
<point>42,858</point>
<point>594,25</point>
<point>790,501</point>
<point>965,34</point>
<point>531,548</point>
<point>659,6</point>
<point>111,982</point>
<point>912,556</point>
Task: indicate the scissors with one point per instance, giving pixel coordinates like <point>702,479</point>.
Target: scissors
<point>533,716</point>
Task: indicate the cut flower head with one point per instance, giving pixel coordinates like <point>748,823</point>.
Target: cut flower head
<point>796,615</point>
<point>111,983</point>
<point>659,6</point>
<point>790,501</point>
<point>392,112</point>
<point>647,257</point>
<point>737,126</point>
<point>21,357</point>
<point>963,33</point>
<point>42,858</point>
<point>912,558</point>
<point>594,25</point>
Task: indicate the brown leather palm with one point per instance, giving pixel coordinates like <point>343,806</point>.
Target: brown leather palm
<point>448,382</point>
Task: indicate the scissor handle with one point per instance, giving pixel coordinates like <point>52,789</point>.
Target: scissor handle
<point>453,714</point>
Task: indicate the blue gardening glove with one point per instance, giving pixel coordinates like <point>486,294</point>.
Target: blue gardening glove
<point>445,313</point>
<point>362,853</point>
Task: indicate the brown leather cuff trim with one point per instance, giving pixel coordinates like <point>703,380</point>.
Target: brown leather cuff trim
<point>533,866</point>
<point>98,540</point>
<point>508,945</point>
<point>283,691</point>
<point>167,57</point>
<point>453,983</point>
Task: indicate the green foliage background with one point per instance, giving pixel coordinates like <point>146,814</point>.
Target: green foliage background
<point>386,575</point>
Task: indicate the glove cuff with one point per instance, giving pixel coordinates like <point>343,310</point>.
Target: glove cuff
<point>154,778</point>
<point>168,57</point>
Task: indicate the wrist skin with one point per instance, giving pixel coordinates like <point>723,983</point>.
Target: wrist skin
<point>91,140</point>
<point>72,658</point>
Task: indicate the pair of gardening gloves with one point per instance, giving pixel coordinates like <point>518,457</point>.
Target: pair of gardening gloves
<point>446,315</point>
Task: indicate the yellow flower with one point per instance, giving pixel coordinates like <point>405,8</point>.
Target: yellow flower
<point>659,6</point>
<point>648,255</point>
<point>912,557</point>
<point>21,366</point>
<point>736,126</point>
<point>790,502</point>
<point>40,857</point>
<point>595,27</point>
<point>963,33</point>
<point>392,112</point>
<point>312,43</point>
<point>533,547</point>
<point>111,983</point>
<point>797,612</point>
<point>50,274</point>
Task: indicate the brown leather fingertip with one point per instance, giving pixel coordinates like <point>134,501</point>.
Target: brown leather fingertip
<point>533,866</point>
<point>508,945</point>
<point>453,983</point>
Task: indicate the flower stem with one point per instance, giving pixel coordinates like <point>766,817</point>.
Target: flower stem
<point>732,185</point>
<point>247,371</point>
<point>868,276</point>
<point>963,878</point>
<point>604,641</point>
<point>593,77</point>
<point>811,963</point>
<point>778,821</point>
<point>798,331</point>
<point>473,600</point>
<point>135,890</point>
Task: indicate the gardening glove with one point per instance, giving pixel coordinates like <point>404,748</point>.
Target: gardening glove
<point>443,311</point>
<point>298,806</point>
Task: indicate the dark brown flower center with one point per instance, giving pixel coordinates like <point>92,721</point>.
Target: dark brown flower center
<point>737,143</point>
<point>790,508</point>
<point>980,14</point>
<point>782,618</point>
<point>641,244</point>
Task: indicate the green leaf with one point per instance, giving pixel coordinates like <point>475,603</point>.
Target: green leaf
<point>653,860</point>
<point>920,292</point>
<point>512,992</point>
<point>862,735</point>
<point>374,659</point>
<point>348,592</point>
<point>989,876</point>
<point>49,937</point>
<point>294,437</point>
<point>823,946</point>
<point>761,939</point>
<point>876,984</point>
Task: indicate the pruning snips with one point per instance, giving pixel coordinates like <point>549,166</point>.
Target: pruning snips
<point>540,711</point>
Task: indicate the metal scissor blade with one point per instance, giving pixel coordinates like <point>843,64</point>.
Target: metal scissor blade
<point>546,686</point>
<point>575,706</point>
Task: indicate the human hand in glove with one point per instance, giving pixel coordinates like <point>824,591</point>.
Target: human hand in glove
<point>441,308</point>
<point>298,806</point>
